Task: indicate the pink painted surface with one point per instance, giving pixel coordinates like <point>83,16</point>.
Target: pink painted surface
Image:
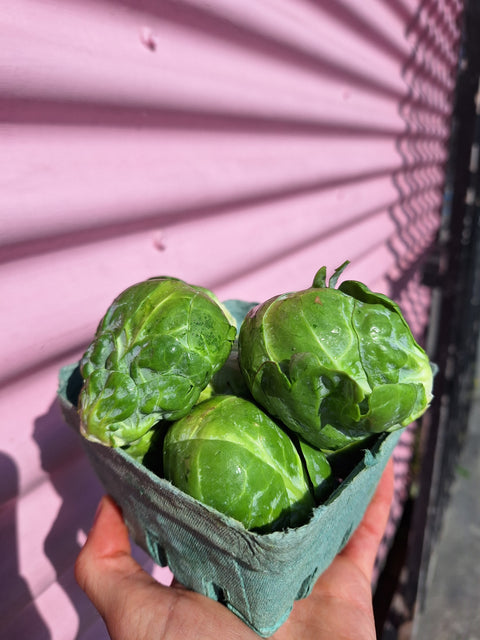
<point>237,145</point>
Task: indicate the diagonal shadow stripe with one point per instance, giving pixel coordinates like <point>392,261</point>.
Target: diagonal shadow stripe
<point>63,112</point>
<point>147,221</point>
<point>245,36</point>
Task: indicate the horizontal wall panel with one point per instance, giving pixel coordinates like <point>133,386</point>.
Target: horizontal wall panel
<point>237,145</point>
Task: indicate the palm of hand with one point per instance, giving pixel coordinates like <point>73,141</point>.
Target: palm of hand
<point>134,605</point>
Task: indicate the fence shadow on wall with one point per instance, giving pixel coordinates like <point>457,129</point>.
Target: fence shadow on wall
<point>208,21</point>
<point>429,74</point>
<point>421,220</point>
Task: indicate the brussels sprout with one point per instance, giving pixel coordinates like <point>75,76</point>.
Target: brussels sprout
<point>148,450</point>
<point>231,456</point>
<point>156,348</point>
<point>344,460</point>
<point>319,471</point>
<point>229,379</point>
<point>335,365</point>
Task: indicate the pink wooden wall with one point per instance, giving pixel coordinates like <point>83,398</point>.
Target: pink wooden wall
<point>237,145</point>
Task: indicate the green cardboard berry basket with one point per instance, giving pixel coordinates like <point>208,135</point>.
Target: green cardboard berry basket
<point>258,577</point>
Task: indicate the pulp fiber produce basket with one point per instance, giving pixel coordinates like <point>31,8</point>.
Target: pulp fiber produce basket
<point>257,576</point>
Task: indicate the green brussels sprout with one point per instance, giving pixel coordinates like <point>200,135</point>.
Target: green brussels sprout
<point>319,471</point>
<point>344,460</point>
<point>148,450</point>
<point>155,350</point>
<point>229,379</point>
<point>228,454</point>
<point>335,365</point>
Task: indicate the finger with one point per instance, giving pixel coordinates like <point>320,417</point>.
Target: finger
<point>107,544</point>
<point>115,583</point>
<point>131,602</point>
<point>363,546</point>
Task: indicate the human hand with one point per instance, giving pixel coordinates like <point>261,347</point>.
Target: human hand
<point>134,605</point>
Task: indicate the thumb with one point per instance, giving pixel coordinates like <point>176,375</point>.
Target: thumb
<point>114,582</point>
<point>132,603</point>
